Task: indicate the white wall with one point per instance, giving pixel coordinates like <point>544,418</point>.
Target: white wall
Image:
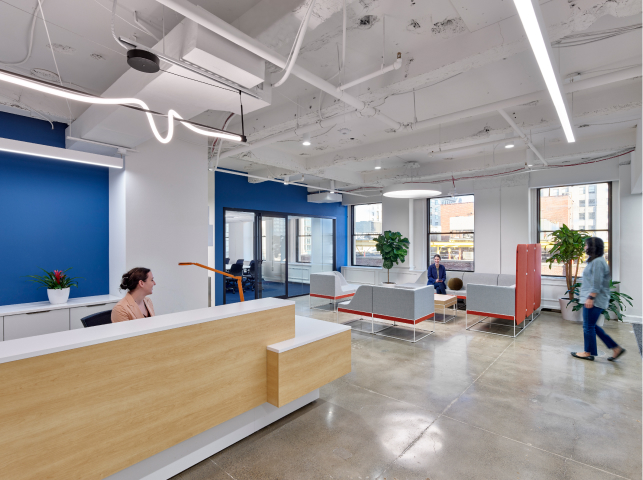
<point>164,204</point>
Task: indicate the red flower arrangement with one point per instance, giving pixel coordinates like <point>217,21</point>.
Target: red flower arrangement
<point>56,280</point>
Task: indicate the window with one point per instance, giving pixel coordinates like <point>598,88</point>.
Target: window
<point>304,239</point>
<point>554,211</point>
<point>367,225</point>
<point>451,232</point>
<point>581,203</point>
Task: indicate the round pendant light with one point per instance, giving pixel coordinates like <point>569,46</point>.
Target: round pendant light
<point>410,190</point>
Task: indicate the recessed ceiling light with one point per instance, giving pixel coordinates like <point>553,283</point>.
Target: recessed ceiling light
<point>509,145</point>
<point>306,140</point>
<point>378,164</point>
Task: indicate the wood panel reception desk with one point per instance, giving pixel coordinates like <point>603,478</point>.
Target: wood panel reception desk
<point>151,397</point>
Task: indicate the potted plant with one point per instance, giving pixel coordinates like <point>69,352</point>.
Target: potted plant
<point>57,283</point>
<point>393,248</point>
<point>568,248</point>
<point>616,307</point>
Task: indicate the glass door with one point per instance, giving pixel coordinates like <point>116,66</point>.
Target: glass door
<point>239,252</point>
<point>273,267</point>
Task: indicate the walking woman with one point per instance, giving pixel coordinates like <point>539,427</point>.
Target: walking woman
<point>595,293</point>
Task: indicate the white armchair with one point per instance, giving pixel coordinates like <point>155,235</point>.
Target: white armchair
<point>331,285</point>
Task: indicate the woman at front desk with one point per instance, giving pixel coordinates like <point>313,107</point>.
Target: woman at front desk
<point>437,275</point>
<point>139,283</point>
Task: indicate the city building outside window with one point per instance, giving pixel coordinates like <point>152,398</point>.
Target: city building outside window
<point>367,225</point>
<point>556,208</point>
<point>451,232</point>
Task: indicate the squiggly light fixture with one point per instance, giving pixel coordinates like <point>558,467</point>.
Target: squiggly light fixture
<point>74,95</point>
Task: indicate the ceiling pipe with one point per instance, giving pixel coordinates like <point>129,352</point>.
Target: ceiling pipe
<point>393,66</point>
<point>517,129</point>
<point>227,31</point>
<point>600,80</point>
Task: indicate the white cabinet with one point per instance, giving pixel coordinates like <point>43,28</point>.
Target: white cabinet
<point>76,313</point>
<point>37,323</point>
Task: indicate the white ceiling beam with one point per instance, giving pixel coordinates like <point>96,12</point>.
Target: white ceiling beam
<point>520,133</point>
<point>418,139</point>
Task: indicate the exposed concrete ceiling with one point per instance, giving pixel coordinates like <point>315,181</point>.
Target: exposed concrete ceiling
<point>457,55</point>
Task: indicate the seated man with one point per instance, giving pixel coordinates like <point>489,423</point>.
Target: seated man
<point>437,275</point>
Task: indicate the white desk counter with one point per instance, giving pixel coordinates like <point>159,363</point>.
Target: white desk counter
<point>40,318</point>
<point>60,341</point>
<point>308,330</point>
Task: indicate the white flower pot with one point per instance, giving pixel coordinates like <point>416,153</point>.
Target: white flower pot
<point>566,311</point>
<point>386,284</point>
<point>58,296</point>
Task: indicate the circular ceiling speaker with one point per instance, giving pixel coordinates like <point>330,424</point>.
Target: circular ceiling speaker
<point>143,61</point>
<point>410,190</point>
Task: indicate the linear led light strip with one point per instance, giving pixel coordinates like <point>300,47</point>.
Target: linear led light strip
<point>126,102</point>
<point>536,39</point>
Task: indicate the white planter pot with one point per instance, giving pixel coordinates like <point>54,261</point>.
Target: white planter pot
<point>58,296</point>
<point>567,312</point>
<point>384,284</point>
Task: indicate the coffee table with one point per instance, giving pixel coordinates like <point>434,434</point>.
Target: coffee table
<point>445,301</point>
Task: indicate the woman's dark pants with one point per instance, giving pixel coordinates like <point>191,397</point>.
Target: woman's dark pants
<point>590,330</point>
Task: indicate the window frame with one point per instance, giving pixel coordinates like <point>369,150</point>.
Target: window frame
<point>609,219</point>
<point>353,232</point>
<point>429,258</point>
<point>298,235</point>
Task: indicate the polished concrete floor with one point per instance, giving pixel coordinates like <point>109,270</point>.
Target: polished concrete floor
<point>458,405</point>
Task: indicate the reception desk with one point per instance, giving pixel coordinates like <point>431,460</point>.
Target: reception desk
<point>151,397</point>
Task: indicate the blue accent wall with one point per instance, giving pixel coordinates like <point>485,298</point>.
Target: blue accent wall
<point>234,191</point>
<point>53,214</point>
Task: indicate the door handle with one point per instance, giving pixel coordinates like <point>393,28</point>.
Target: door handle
<point>41,311</point>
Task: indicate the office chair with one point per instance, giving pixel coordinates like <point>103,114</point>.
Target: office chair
<point>100,318</point>
<point>240,262</point>
<point>227,260</point>
<point>249,278</point>
<point>236,269</point>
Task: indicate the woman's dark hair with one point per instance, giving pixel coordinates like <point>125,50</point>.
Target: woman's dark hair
<point>130,280</point>
<point>595,248</point>
<point>436,255</point>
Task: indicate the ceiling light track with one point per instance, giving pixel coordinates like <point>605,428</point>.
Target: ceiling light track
<point>536,30</point>
<point>133,103</point>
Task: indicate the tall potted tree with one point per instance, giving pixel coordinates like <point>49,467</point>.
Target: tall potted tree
<point>393,247</point>
<point>567,249</point>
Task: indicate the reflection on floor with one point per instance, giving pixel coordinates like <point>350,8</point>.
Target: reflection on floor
<point>271,289</point>
<point>458,405</point>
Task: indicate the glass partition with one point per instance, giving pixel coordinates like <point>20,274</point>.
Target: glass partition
<point>313,241</point>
